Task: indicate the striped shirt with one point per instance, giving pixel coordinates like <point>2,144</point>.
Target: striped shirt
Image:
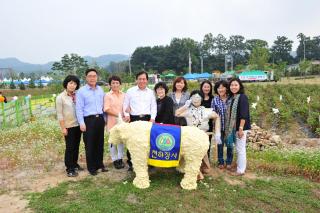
<point>220,107</point>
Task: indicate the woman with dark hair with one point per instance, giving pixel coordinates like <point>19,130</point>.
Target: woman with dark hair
<point>164,104</point>
<point>113,102</point>
<point>179,96</point>
<point>66,113</point>
<point>206,90</point>
<point>219,105</point>
<point>238,123</point>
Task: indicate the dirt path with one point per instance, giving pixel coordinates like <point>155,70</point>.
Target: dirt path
<point>15,183</point>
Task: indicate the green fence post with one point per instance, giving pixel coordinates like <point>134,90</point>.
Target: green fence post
<point>16,104</point>
<point>30,105</point>
<point>3,115</point>
<point>55,100</point>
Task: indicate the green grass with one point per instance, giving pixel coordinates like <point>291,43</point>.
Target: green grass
<point>37,143</point>
<point>165,195</point>
<point>40,143</point>
<point>298,162</point>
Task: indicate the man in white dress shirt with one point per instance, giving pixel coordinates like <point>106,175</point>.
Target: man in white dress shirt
<point>139,104</point>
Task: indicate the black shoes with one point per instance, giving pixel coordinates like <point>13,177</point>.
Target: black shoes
<point>79,168</point>
<point>93,173</point>
<point>72,174</point>
<point>104,169</point>
<point>118,164</point>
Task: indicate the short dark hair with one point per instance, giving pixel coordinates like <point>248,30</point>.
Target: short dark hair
<point>141,73</point>
<point>223,83</point>
<point>241,90</point>
<point>91,70</point>
<point>114,78</point>
<point>196,92</point>
<point>206,82</point>
<point>161,85</point>
<point>71,78</point>
<point>179,79</point>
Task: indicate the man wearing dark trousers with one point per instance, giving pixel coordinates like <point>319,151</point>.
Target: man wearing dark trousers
<point>89,109</point>
<point>139,104</point>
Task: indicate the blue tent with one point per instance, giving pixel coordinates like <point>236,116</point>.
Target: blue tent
<point>190,76</point>
<point>204,75</point>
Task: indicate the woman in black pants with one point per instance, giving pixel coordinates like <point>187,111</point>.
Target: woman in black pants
<point>70,129</point>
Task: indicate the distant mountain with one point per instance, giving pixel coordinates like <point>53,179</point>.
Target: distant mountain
<point>20,66</point>
<point>104,60</point>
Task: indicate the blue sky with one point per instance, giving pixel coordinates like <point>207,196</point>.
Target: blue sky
<point>38,31</point>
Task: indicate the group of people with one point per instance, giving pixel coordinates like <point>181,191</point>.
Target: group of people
<point>89,111</point>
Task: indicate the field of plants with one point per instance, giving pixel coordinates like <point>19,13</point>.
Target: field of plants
<point>278,106</point>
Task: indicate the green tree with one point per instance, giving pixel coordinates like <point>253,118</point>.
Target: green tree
<point>240,67</point>
<point>251,43</point>
<point>237,48</point>
<point>40,85</point>
<point>279,70</point>
<point>207,46</point>
<point>308,47</point>
<point>305,67</point>
<point>12,85</point>
<point>32,84</point>
<point>259,58</point>
<point>220,44</point>
<point>70,64</point>
<point>280,50</point>
<point>178,55</point>
<point>21,75</point>
<point>22,86</point>
<point>12,74</point>
<point>102,72</point>
<point>141,58</point>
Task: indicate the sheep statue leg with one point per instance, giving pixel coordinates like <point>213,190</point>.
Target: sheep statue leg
<point>140,166</point>
<point>191,169</point>
<point>193,152</point>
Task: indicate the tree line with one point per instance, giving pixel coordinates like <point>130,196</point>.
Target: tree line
<point>174,57</point>
<point>213,49</point>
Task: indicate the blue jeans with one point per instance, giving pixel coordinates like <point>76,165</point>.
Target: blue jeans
<point>220,152</point>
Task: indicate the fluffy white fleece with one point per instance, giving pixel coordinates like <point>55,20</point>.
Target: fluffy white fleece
<point>135,135</point>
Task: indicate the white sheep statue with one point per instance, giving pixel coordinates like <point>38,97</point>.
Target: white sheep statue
<point>136,136</point>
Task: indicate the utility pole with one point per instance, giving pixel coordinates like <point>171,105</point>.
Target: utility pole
<point>201,58</point>
<point>227,59</point>
<point>130,65</point>
<point>304,48</point>
<point>190,63</point>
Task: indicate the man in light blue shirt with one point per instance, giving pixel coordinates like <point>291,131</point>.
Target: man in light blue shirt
<point>89,111</point>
